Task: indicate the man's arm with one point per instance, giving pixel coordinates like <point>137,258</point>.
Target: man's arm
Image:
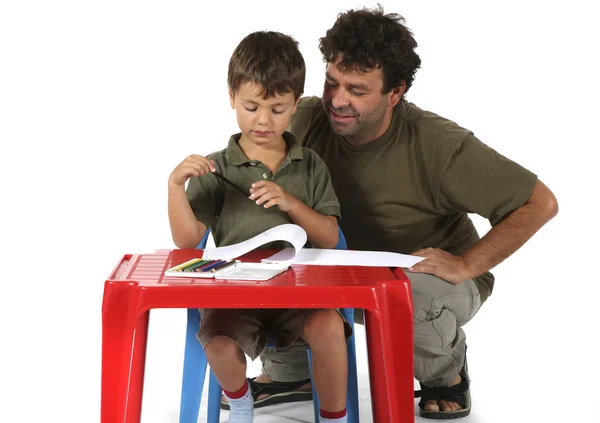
<point>498,244</point>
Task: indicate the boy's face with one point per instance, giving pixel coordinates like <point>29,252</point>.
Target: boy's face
<point>262,121</point>
<point>355,104</point>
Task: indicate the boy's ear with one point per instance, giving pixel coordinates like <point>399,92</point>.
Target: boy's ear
<point>232,99</point>
<point>296,103</point>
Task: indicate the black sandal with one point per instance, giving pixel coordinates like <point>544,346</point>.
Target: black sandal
<point>278,393</point>
<point>457,393</point>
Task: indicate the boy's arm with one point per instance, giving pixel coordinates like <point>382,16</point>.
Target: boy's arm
<point>321,230</point>
<point>186,230</point>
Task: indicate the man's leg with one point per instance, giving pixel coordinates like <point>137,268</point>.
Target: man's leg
<point>440,309</point>
<point>287,365</point>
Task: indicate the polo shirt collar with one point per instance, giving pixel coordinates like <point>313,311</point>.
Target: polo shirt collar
<point>237,157</point>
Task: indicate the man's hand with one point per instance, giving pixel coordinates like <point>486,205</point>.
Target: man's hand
<point>271,194</point>
<point>194,165</point>
<point>442,264</point>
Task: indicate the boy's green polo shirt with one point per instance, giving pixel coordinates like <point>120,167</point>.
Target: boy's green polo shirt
<point>233,217</point>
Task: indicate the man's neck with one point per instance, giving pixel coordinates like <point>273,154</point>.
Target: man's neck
<point>373,134</point>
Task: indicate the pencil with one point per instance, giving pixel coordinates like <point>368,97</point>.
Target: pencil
<point>212,265</point>
<point>222,266</point>
<point>193,266</point>
<point>224,179</point>
<point>209,263</point>
<point>184,265</point>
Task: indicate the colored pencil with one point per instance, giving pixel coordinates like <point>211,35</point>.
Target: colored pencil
<point>205,265</point>
<point>210,266</point>
<point>227,181</point>
<point>222,266</point>
<point>193,266</point>
<point>184,265</point>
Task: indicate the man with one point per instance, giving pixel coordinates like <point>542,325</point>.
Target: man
<point>406,180</point>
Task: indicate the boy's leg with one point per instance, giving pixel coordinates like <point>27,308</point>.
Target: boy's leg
<point>228,362</point>
<point>324,332</point>
<point>225,335</point>
<point>286,377</point>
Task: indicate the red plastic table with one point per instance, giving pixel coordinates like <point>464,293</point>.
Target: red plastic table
<point>137,284</point>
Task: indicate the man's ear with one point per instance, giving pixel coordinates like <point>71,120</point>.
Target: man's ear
<point>232,99</point>
<point>396,94</point>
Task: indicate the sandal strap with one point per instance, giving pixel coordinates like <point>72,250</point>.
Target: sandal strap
<point>272,388</point>
<point>454,393</point>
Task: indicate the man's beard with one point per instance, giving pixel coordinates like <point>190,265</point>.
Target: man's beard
<point>363,126</point>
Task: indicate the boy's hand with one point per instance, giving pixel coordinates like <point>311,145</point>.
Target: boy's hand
<point>193,165</point>
<point>271,194</point>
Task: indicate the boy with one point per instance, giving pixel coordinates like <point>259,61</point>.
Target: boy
<point>266,79</point>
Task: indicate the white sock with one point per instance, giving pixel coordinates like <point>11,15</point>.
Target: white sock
<point>242,408</point>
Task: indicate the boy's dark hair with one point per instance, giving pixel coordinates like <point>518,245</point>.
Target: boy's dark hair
<point>269,59</point>
<point>368,39</point>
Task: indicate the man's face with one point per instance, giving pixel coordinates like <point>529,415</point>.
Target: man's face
<point>355,105</point>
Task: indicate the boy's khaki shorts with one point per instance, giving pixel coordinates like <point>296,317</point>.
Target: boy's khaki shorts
<point>252,329</point>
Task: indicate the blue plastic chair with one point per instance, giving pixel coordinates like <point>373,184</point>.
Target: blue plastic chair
<point>195,365</point>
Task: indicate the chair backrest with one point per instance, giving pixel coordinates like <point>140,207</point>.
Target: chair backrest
<point>341,245</point>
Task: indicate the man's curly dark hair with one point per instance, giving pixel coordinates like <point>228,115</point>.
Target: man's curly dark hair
<point>368,39</point>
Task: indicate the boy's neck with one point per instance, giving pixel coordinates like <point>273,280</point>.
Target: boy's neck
<point>271,155</point>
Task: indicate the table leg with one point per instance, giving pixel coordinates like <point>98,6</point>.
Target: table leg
<point>118,331</point>
<point>377,375</point>
<point>396,320</point>
<point>138,364</point>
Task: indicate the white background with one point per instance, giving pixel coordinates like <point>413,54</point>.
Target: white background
<point>99,101</point>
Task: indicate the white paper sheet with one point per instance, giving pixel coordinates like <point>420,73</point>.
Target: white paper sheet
<point>322,257</point>
<point>291,233</point>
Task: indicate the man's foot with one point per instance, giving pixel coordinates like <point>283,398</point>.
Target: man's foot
<point>446,402</point>
<point>442,405</point>
<point>267,392</point>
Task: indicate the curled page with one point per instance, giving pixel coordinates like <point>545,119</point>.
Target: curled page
<point>323,257</point>
<point>291,233</point>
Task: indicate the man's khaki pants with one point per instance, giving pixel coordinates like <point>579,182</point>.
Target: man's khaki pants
<point>440,309</point>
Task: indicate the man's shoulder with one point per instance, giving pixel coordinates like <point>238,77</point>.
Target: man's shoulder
<point>309,110</point>
<point>434,128</point>
<point>310,103</point>
<point>311,158</point>
<point>435,134</point>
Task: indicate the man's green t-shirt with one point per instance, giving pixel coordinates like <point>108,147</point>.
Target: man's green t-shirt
<point>233,217</point>
<point>413,187</point>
